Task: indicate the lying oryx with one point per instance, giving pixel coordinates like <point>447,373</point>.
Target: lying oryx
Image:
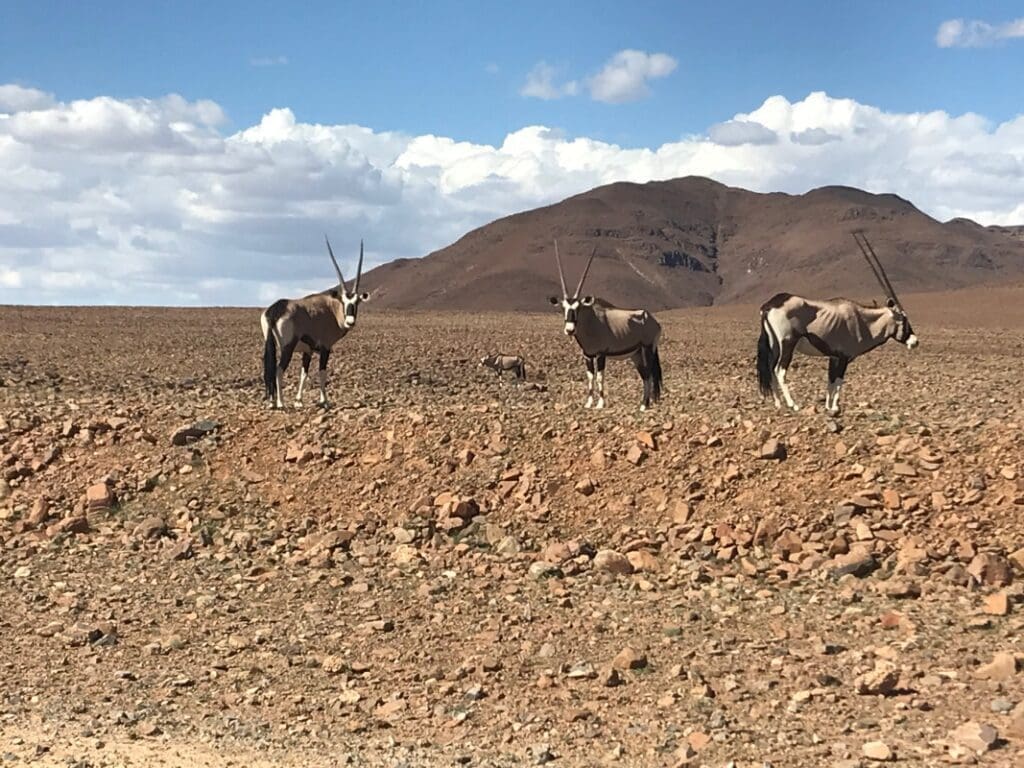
<point>311,324</point>
<point>499,363</point>
<point>604,331</point>
<point>838,329</point>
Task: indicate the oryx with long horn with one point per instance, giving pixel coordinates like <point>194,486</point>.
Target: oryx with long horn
<point>838,329</point>
<point>604,331</point>
<point>314,323</point>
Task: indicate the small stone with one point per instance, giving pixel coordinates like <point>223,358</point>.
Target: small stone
<point>643,561</point>
<point>629,658</point>
<point>859,562</point>
<point>1002,667</point>
<point>391,710</point>
<point>544,570</point>
<point>153,527</point>
<point>773,450</point>
<point>903,469</point>
<point>147,729</point>
<point>100,496</point>
<point>979,737</point>
<point>585,487</point>
<point>882,681</point>
<point>181,550</point>
<point>610,677</point>
<point>877,750</point>
<point>646,439</point>
<point>636,455</point>
<point>997,604</point>
<point>990,569</point>
<point>610,561</point>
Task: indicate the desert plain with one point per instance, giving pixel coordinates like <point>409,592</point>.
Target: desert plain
<point>447,568</point>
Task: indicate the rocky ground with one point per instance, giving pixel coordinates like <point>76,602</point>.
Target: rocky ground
<point>449,569</point>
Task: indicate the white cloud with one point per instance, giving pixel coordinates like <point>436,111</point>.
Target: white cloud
<point>268,61</point>
<point>957,33</point>
<point>734,133</point>
<point>14,98</point>
<point>151,201</point>
<point>541,84</point>
<point>625,77</point>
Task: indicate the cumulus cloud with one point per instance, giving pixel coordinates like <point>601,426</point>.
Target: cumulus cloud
<point>154,201</point>
<point>958,33</point>
<point>541,83</point>
<point>14,98</point>
<point>734,133</point>
<point>625,77</point>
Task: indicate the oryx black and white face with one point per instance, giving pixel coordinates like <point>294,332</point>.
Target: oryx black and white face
<point>571,308</point>
<point>903,332</point>
<point>351,302</point>
<point>350,299</point>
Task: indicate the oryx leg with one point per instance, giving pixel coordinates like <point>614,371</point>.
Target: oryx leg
<point>836,372</point>
<point>785,358</point>
<point>600,380</point>
<point>322,373</point>
<point>282,365</point>
<point>590,382</point>
<point>307,358</point>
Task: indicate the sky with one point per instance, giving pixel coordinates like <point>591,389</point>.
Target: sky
<point>196,153</point>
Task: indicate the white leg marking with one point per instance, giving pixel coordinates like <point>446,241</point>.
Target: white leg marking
<point>323,387</point>
<point>590,390</point>
<point>781,376</point>
<point>280,387</point>
<point>302,383</point>
<point>600,389</point>
<point>835,396</point>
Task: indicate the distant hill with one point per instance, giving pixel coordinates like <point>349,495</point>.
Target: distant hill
<point>695,242</point>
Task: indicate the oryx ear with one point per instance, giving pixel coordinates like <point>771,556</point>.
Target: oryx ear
<point>587,301</point>
<point>364,296</point>
<point>555,300</point>
<point>891,303</point>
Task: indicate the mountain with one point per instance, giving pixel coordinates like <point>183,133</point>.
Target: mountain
<point>695,242</point>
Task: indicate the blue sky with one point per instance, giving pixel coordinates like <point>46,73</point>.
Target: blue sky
<point>195,153</point>
<point>456,68</point>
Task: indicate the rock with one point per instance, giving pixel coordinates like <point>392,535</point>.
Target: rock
<point>773,450</point>
<point>997,604</point>
<point>1002,667</point>
<point>610,561</point>
<point>610,677</point>
<point>636,455</point>
<point>544,570</point>
<point>979,737</point>
<point>629,658</point>
<point>891,499</point>
<point>147,729</point>
<point>191,433</point>
<point>585,487</point>
<point>643,561</point>
<point>153,527</point>
<point>100,496</point>
<point>646,439</point>
<point>181,550</point>
<point>39,513</point>
<point>990,569</point>
<point>882,681</point>
<point>877,750</point>
<point>859,562</point>
<point>391,710</point>
<point>900,589</point>
<point>903,469</point>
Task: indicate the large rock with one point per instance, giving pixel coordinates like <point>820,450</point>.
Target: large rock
<point>610,561</point>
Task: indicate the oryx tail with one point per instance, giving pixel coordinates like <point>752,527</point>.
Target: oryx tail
<point>767,356</point>
<point>272,315</point>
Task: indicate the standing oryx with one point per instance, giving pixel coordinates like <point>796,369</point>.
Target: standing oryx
<point>498,363</point>
<point>838,329</point>
<point>311,324</point>
<point>604,331</point>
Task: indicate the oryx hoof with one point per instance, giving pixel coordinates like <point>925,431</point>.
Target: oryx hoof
<point>323,404</point>
<point>795,408</point>
<point>600,403</point>
<point>643,407</point>
<point>589,403</point>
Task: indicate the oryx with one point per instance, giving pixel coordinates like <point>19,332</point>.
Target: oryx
<point>838,329</point>
<point>499,363</point>
<point>314,323</point>
<point>604,331</point>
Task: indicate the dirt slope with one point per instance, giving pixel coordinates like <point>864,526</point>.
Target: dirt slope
<point>695,242</point>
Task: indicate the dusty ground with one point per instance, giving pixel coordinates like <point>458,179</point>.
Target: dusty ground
<point>433,572</point>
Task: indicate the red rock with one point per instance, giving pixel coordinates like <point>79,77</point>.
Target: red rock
<point>100,496</point>
<point>1002,668</point>
<point>997,604</point>
<point>646,439</point>
<point>636,455</point>
<point>629,658</point>
<point>989,569</point>
<point>643,561</point>
<point>773,450</point>
<point>610,561</point>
